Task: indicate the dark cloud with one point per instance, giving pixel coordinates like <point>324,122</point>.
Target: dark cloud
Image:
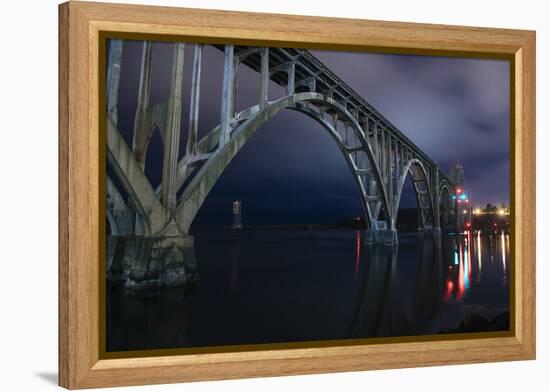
<point>456,110</point>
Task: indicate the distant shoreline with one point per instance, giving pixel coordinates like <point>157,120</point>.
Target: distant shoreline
<point>274,226</point>
<point>289,226</point>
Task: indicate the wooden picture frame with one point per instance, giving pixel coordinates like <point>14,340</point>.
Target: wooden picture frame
<point>81,27</point>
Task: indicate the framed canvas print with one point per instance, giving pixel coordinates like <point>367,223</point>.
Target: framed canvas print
<point>248,195</point>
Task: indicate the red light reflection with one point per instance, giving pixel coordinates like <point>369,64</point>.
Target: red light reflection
<point>357,251</point>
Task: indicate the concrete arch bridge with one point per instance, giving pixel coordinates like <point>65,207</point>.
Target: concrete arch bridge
<point>150,243</point>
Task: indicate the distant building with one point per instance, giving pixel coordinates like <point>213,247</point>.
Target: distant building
<point>237,224</point>
<point>491,209</point>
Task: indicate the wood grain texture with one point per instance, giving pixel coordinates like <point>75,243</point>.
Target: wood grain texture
<point>80,27</point>
<point>63,220</point>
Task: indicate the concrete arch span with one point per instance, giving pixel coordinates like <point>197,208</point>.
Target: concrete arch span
<point>196,192</point>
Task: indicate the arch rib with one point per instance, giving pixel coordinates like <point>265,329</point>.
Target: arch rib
<point>424,178</point>
<point>134,181</point>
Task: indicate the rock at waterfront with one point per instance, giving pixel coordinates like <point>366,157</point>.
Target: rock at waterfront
<point>476,323</point>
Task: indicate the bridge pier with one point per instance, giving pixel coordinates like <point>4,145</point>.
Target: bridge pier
<point>143,263</point>
<point>426,232</point>
<point>391,237</point>
<point>386,236</point>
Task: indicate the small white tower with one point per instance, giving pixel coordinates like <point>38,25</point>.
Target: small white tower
<point>236,215</point>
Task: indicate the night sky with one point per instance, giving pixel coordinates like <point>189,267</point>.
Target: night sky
<point>291,171</point>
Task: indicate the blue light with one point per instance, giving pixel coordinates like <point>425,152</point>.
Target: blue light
<point>456,258</point>
<point>463,196</point>
<point>466,271</point>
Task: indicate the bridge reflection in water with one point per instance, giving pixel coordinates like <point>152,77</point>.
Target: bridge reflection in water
<point>268,286</point>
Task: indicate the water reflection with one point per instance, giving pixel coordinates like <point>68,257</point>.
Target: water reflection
<point>503,253</point>
<point>479,252</point>
<point>357,252</point>
<point>235,256</point>
<point>463,273</point>
<point>267,286</point>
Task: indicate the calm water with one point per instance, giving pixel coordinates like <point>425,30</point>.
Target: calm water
<point>266,286</point>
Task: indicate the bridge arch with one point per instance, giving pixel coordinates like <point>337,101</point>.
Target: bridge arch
<point>445,208</point>
<point>423,193</point>
<point>444,187</point>
<point>196,192</point>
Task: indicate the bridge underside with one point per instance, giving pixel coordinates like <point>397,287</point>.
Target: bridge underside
<point>150,243</point>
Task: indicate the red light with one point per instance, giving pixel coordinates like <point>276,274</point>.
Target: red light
<point>458,190</point>
<point>467,200</point>
<point>450,286</point>
<point>449,291</point>
<point>468,225</point>
<point>459,201</point>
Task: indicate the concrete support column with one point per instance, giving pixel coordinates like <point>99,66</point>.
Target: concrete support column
<point>172,131</point>
<point>191,147</point>
<point>359,156</point>
<point>458,217</point>
<point>372,185</point>
<point>291,79</point>
<point>369,236</point>
<point>373,139</point>
<point>264,78</point>
<point>227,109</point>
<point>236,83</point>
<point>383,156</point>
<point>345,134</point>
<point>140,119</point>
<point>377,144</point>
<point>113,78</point>
<point>402,160</point>
<point>437,227</point>
<point>391,237</point>
<point>396,170</point>
<point>390,173</point>
<point>365,126</point>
